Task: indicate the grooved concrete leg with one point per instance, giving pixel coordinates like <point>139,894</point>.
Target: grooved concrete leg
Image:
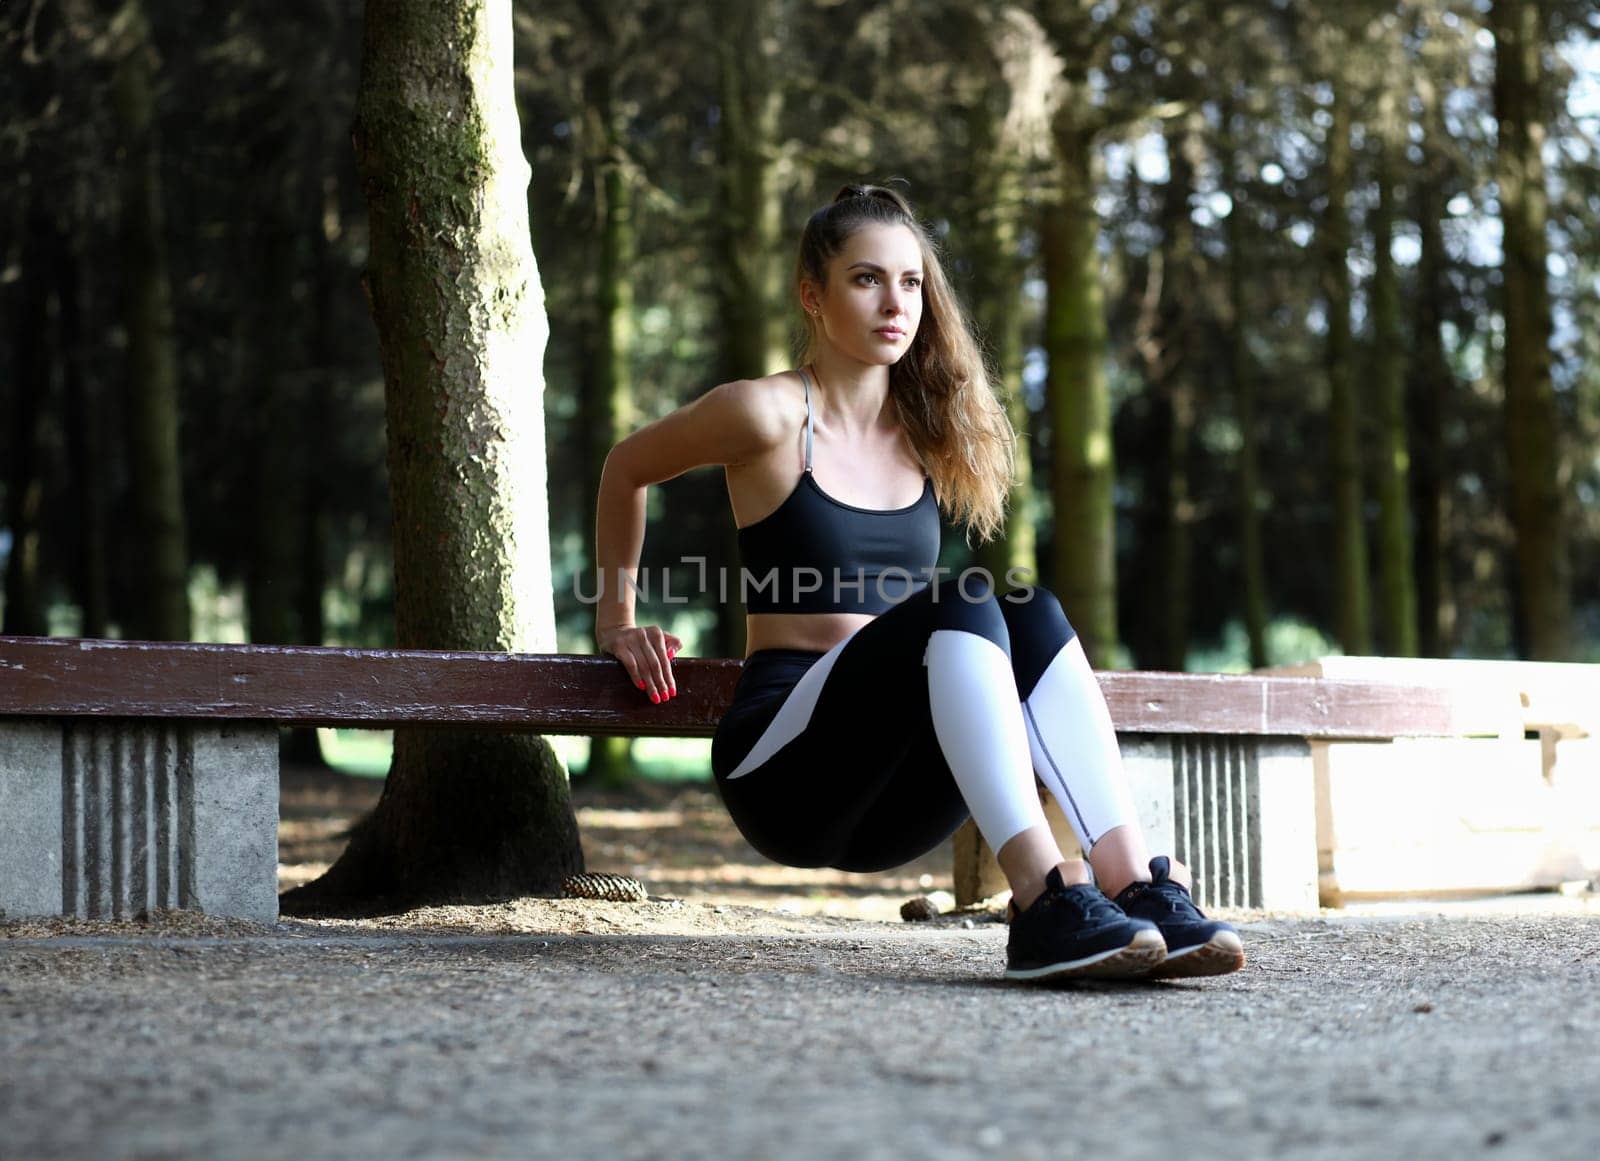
<point>1240,812</point>
<point>1245,819</point>
<point>107,818</point>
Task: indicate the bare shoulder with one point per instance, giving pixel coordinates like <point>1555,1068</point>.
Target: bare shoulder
<point>768,409</point>
<point>774,408</point>
<point>732,424</point>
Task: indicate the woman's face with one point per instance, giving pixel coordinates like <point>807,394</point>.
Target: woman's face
<point>871,307</point>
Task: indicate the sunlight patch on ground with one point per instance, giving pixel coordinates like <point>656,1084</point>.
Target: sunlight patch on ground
<point>628,819</point>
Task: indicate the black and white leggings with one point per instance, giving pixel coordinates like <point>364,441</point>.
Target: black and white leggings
<point>868,755</point>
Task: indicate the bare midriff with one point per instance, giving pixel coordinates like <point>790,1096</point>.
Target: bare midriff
<point>817,632</point>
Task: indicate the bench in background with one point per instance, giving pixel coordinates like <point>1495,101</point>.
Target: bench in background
<point>138,775</point>
<point>1510,804</point>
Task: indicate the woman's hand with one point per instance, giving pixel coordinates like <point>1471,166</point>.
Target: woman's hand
<point>647,655</point>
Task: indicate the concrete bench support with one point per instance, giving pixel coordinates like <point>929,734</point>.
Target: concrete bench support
<point>105,818</point>
<point>1244,818</point>
<point>1241,812</point>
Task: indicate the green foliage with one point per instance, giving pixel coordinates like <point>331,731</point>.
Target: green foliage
<point>1289,642</point>
<point>281,395</point>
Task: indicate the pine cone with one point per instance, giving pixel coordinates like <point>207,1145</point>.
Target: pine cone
<point>613,888</point>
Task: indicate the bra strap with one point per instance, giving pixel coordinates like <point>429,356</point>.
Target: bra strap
<point>806,379</point>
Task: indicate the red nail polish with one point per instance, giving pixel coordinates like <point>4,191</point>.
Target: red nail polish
<point>655,698</point>
<point>641,685</point>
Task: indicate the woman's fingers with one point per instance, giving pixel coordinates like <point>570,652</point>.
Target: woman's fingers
<point>661,654</point>
<point>625,654</point>
<point>655,681</point>
<point>627,646</point>
<point>647,653</point>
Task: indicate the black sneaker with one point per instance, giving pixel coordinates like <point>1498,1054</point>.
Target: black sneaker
<point>1196,946</point>
<point>1076,931</point>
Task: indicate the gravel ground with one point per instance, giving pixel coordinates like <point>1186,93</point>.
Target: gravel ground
<point>732,1032</point>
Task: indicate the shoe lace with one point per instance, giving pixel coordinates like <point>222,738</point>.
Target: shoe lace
<point>1088,905</point>
<point>1167,896</point>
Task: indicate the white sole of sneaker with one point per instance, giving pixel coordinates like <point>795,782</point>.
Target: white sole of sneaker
<point>1222,954</point>
<point>1140,958</point>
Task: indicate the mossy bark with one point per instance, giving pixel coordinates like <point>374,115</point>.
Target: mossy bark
<point>748,273</point>
<point>998,270</point>
<point>607,381</point>
<point>1083,558</point>
<point>461,327</point>
<point>749,103</point>
<point>1533,443</point>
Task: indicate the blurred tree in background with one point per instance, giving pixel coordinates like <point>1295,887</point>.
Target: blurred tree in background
<point>1295,304</point>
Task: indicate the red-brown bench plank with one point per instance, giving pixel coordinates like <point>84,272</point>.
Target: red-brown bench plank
<point>568,694</point>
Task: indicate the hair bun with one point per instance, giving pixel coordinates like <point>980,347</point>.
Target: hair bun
<point>874,193</point>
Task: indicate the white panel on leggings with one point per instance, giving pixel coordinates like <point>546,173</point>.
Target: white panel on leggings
<point>977,719</point>
<point>794,715</point>
<point>1074,747</point>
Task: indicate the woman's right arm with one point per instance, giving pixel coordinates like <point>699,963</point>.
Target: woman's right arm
<point>728,425</point>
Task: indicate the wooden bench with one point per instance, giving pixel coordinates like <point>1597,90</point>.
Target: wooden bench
<point>1514,806</point>
<point>136,774</point>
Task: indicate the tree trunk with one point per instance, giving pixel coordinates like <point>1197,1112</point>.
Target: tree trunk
<point>1247,478</point>
<point>24,599</point>
<point>285,436</point>
<point>1349,531</point>
<point>1167,354</point>
<point>319,193</point>
<point>276,443</point>
<point>607,383</point>
<point>1532,423</point>
<point>456,297</point>
<point>86,444</point>
<point>749,317</point>
<point>996,281</point>
<point>1431,386</point>
<point>749,105</point>
<point>1396,577</point>
<point>160,565</point>
<point>1083,473</point>
<point>303,391</point>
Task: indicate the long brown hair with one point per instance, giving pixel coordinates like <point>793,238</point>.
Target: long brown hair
<point>946,397</point>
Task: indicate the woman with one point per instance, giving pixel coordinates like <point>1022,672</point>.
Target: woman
<point>874,713</point>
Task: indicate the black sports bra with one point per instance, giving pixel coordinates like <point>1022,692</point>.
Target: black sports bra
<point>815,554</point>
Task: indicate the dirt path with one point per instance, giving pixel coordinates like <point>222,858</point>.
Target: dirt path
<point>676,838</point>
<point>702,1028</point>
<point>1361,1038</point>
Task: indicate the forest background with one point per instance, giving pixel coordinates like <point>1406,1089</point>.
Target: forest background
<point>1296,304</point>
